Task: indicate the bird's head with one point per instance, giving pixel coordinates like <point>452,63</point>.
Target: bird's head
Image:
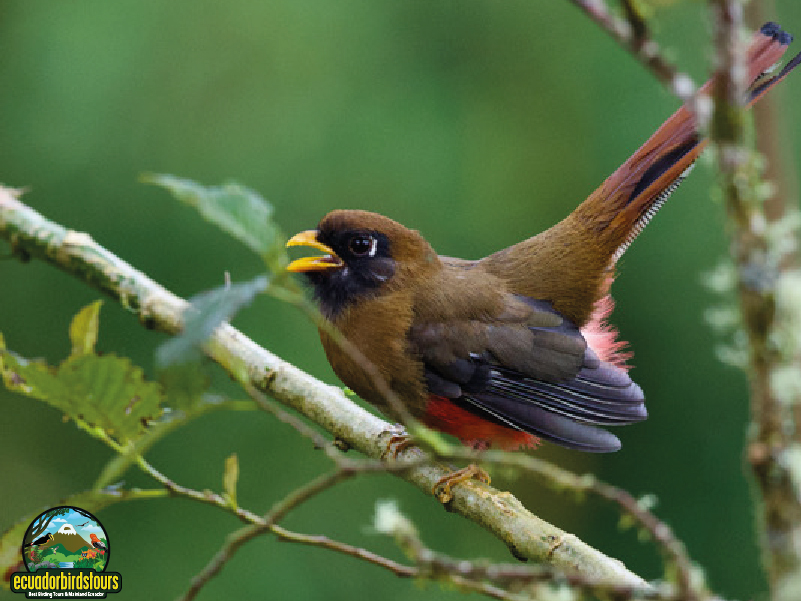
<point>364,254</point>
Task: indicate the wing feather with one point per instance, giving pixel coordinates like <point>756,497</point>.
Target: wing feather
<point>537,379</point>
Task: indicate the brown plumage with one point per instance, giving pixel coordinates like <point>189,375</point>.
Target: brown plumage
<point>496,350</point>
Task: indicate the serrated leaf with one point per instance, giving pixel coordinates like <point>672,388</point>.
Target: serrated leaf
<point>108,392</point>
<point>30,378</point>
<point>209,309</point>
<point>236,209</point>
<point>84,328</point>
<point>230,478</point>
<point>111,394</point>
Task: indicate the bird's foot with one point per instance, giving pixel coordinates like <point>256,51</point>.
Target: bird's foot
<point>442,487</point>
<point>399,441</point>
<point>396,445</point>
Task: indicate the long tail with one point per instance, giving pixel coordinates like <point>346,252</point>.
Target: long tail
<point>588,242</point>
<point>624,204</point>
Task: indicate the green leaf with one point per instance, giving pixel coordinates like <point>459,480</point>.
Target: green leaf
<point>239,211</point>
<point>107,392</point>
<point>209,309</point>
<point>109,397</point>
<point>84,328</point>
<point>230,478</point>
<point>30,378</point>
<point>184,385</point>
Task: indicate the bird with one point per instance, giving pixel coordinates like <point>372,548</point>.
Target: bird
<point>40,541</point>
<point>514,348</point>
<point>96,543</point>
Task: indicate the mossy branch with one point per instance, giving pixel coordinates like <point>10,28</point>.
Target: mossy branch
<point>32,235</point>
<point>764,249</point>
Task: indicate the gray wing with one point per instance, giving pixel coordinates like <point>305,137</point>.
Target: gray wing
<point>541,379</point>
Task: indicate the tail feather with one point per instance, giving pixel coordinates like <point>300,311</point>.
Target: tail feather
<point>763,86</point>
<point>547,425</point>
<point>594,236</point>
<point>622,206</point>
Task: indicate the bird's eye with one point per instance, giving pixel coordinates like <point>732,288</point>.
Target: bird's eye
<point>362,245</point>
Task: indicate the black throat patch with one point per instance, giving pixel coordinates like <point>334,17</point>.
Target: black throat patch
<point>360,276</point>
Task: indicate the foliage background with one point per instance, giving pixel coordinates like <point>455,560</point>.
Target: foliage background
<point>478,122</point>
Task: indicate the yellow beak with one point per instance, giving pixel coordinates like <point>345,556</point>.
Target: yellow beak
<point>309,238</point>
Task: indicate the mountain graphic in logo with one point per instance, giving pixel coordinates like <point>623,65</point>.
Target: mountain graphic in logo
<point>70,539</point>
<point>65,537</point>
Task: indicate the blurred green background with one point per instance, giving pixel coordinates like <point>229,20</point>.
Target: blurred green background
<point>478,122</point>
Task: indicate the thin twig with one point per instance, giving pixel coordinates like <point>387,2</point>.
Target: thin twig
<point>262,524</point>
<point>169,485</point>
<point>504,577</point>
<point>114,469</point>
<point>301,427</point>
<point>632,33</point>
<point>250,517</point>
<point>325,542</point>
<point>243,535</point>
<point>516,576</point>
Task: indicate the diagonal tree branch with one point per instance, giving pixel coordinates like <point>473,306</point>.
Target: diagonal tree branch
<point>527,536</point>
<point>247,533</point>
<point>632,33</point>
<point>764,248</point>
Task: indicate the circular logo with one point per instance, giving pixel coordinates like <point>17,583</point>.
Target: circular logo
<point>65,537</point>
